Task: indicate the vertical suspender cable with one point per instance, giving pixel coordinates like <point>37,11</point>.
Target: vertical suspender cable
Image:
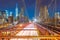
<point>55,15</point>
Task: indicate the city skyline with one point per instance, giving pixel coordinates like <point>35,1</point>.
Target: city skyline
<point>30,6</point>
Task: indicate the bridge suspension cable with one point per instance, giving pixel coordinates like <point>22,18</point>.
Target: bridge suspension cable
<point>35,8</point>
<point>49,6</point>
<point>50,3</point>
<point>25,7</point>
<point>54,8</point>
<point>54,12</point>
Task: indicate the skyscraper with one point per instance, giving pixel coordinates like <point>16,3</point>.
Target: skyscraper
<point>16,9</point>
<point>57,15</point>
<point>44,15</point>
<point>2,17</point>
<point>10,13</point>
<point>7,13</point>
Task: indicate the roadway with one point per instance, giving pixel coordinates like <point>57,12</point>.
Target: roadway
<point>27,29</point>
<point>33,29</point>
<point>30,27</point>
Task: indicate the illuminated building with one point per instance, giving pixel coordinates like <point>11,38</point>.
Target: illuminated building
<point>22,12</point>
<point>57,17</point>
<point>10,13</point>
<point>16,10</point>
<point>44,15</point>
<point>2,16</point>
<point>10,19</point>
<point>7,13</point>
<point>22,17</point>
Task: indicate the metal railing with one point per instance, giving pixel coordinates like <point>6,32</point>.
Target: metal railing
<point>30,38</point>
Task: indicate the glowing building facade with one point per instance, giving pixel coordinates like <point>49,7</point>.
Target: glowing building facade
<point>16,10</point>
<point>44,15</point>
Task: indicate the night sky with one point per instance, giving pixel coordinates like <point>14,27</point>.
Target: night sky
<point>10,5</point>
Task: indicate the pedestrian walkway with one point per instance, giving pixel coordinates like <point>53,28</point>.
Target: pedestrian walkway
<point>29,30</point>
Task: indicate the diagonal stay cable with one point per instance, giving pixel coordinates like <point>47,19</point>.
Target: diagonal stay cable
<point>25,8</point>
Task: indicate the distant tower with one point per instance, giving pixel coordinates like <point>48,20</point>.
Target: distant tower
<point>22,12</point>
<point>57,15</point>
<point>16,10</point>
<point>7,13</point>
<point>10,13</point>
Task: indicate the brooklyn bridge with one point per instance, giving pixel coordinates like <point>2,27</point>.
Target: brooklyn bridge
<point>44,24</point>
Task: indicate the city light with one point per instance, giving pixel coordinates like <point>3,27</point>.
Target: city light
<point>34,20</point>
<point>16,10</point>
<point>7,13</point>
<point>10,13</point>
<point>21,25</point>
<point>58,15</point>
<point>30,21</point>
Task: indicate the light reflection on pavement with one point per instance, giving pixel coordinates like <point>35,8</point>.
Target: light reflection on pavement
<point>32,32</point>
